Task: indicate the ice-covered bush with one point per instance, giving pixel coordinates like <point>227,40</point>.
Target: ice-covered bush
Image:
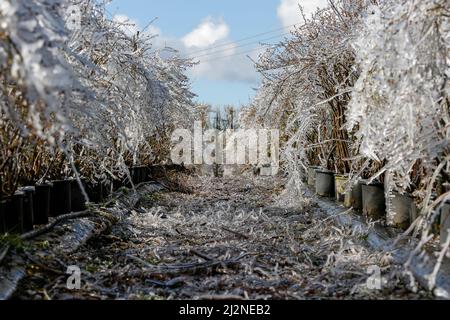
<point>35,79</point>
<point>87,98</point>
<point>400,104</point>
<point>34,74</point>
<point>306,89</point>
<point>363,88</point>
<point>139,95</point>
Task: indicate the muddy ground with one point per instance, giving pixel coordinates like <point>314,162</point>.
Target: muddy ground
<point>226,238</point>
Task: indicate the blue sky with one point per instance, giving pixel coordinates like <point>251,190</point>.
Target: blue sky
<point>212,29</point>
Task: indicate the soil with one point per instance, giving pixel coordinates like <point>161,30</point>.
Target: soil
<point>226,238</point>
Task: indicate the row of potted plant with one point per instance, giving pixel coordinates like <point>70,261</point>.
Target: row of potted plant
<point>31,206</point>
<point>372,201</point>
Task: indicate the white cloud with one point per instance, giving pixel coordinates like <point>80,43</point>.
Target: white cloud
<point>238,68</point>
<point>215,65</point>
<point>289,12</point>
<point>218,62</point>
<point>206,33</point>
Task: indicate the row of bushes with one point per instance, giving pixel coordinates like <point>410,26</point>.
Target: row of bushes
<point>84,98</point>
<point>361,89</point>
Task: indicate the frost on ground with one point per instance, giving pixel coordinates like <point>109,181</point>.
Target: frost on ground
<point>233,238</point>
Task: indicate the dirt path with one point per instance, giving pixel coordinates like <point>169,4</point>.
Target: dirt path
<point>228,238</point>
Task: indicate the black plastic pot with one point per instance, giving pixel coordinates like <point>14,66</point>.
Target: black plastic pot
<point>77,197</point>
<point>4,207</point>
<point>61,198</point>
<point>145,176</point>
<point>28,208</point>
<point>312,173</point>
<point>136,176</point>
<point>106,189</point>
<point>117,184</point>
<point>42,202</point>
<point>325,184</point>
<point>14,217</point>
<point>373,200</point>
<point>142,174</point>
<point>95,192</point>
<point>353,197</point>
<point>445,222</point>
<point>11,208</point>
<point>157,171</point>
<point>402,208</point>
